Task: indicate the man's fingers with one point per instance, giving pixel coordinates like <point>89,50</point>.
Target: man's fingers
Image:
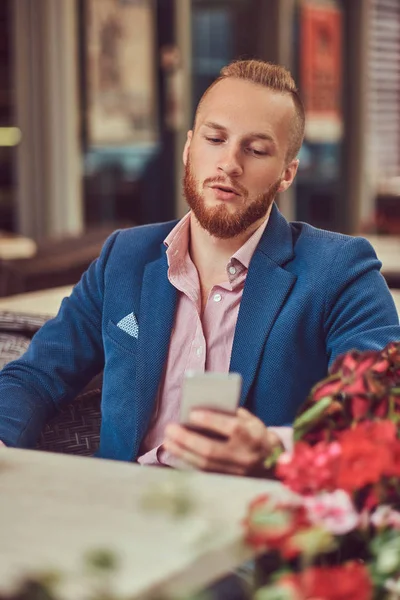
<point>215,421</point>
<point>243,413</point>
<point>201,462</point>
<point>183,453</point>
<point>246,447</point>
<point>196,442</point>
<point>244,426</point>
<point>211,454</point>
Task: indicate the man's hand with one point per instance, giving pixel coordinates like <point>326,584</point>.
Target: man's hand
<point>249,442</point>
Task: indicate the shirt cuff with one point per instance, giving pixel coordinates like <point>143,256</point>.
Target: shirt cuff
<point>151,457</point>
<point>158,456</point>
<point>285,434</point>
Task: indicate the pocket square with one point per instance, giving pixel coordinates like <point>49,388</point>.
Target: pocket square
<point>130,325</point>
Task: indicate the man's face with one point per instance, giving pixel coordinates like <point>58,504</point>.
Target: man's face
<point>235,159</point>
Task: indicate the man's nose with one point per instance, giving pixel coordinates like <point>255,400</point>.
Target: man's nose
<point>230,163</point>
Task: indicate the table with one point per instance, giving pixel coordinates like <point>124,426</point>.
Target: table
<point>54,508</point>
<point>387,248</point>
<point>43,302</point>
<point>396,298</point>
<point>16,246</point>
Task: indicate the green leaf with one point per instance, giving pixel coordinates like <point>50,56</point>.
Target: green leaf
<point>271,460</point>
<point>271,520</point>
<point>101,560</point>
<point>314,541</point>
<point>313,414</point>
<point>274,592</point>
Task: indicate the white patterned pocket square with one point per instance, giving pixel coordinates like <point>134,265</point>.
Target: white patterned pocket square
<point>130,325</point>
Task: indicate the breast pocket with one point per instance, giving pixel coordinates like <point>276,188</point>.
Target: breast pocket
<point>120,338</point>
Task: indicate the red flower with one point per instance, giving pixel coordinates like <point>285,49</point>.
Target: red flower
<point>361,385</point>
<point>380,410</point>
<point>381,432</point>
<point>348,582</point>
<point>370,456</point>
<point>357,363</point>
<point>327,387</point>
<point>271,525</point>
<point>362,462</point>
<point>393,467</point>
<point>359,407</point>
<point>310,469</point>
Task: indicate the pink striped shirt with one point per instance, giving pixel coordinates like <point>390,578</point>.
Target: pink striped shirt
<point>198,342</point>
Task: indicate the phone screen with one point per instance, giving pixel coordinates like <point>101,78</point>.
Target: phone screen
<point>211,391</point>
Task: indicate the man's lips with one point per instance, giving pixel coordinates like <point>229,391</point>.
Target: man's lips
<point>225,194</point>
<point>225,189</point>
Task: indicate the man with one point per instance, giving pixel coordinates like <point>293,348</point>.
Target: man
<point>232,286</point>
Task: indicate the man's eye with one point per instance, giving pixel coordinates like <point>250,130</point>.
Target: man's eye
<point>257,152</point>
<point>214,140</point>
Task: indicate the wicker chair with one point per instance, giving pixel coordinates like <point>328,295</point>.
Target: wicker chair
<point>76,428</point>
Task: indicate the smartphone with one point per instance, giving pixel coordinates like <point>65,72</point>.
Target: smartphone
<point>213,391</point>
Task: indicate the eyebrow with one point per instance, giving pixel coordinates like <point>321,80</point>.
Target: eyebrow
<point>255,134</point>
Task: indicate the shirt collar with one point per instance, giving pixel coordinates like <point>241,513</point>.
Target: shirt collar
<point>245,252</point>
<point>177,243</point>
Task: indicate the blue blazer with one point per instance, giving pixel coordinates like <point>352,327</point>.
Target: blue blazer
<point>309,296</point>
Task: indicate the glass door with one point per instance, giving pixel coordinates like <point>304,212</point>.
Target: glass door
<point>224,30</point>
<point>8,133</point>
<point>127,141</point>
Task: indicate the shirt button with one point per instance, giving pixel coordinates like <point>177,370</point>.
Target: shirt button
<point>232,270</point>
<point>217,298</point>
<point>199,351</point>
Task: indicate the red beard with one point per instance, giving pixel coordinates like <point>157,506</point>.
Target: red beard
<point>218,221</point>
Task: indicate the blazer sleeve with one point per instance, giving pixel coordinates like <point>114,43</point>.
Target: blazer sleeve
<point>359,310</point>
<point>62,357</point>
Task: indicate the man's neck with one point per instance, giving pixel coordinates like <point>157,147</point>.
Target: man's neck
<point>211,254</point>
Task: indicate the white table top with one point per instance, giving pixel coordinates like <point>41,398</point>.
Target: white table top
<point>14,246</point>
<point>54,508</point>
<point>396,298</point>
<point>387,248</point>
<point>43,302</point>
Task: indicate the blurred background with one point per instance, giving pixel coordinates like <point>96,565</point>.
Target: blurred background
<point>96,97</point>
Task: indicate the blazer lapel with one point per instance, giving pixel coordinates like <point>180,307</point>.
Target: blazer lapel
<point>156,317</point>
<point>266,289</point>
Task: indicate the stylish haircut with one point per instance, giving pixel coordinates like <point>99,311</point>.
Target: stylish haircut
<point>273,77</point>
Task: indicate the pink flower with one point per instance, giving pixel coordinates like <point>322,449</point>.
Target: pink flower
<point>385,516</point>
<point>335,512</point>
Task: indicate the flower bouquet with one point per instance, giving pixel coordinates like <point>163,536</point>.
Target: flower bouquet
<point>339,538</point>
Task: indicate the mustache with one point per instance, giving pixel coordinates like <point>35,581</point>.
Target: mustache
<point>239,189</point>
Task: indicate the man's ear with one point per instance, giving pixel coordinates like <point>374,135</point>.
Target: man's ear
<point>288,175</point>
<point>187,146</point>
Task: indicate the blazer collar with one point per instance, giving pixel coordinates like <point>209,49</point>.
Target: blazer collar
<point>277,241</point>
<point>157,311</point>
<point>266,290</point>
